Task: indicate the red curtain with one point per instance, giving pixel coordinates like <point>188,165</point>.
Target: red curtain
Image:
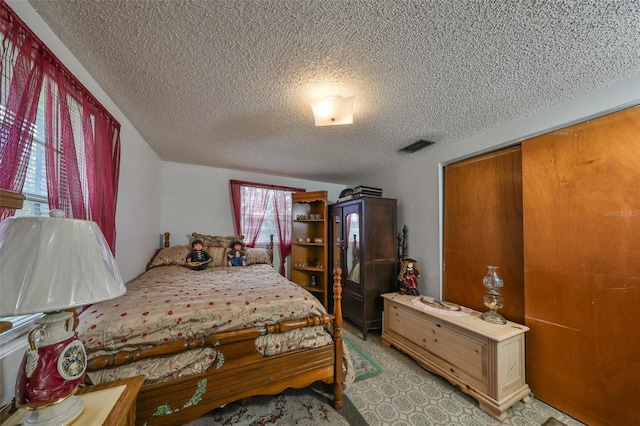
<point>22,70</point>
<point>250,201</point>
<point>82,154</point>
<point>282,208</point>
<point>82,158</point>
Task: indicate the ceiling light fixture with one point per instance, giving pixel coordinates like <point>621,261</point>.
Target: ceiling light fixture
<point>333,110</point>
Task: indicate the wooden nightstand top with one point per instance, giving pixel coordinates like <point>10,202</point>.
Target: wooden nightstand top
<point>123,411</point>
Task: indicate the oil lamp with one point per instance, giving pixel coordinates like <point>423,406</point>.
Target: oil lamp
<point>493,300</point>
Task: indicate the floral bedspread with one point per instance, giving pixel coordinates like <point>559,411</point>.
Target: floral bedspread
<point>172,302</point>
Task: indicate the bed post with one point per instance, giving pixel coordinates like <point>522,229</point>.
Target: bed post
<point>166,239</point>
<point>337,337</point>
<point>402,245</point>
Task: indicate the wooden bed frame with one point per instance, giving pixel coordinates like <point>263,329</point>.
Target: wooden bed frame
<point>402,245</point>
<point>244,372</point>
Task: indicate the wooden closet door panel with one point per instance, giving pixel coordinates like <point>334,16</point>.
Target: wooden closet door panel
<point>582,271</point>
<point>483,226</point>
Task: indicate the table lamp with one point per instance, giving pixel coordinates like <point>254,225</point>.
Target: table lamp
<point>47,265</point>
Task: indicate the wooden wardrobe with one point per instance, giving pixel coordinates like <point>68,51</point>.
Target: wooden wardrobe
<point>363,233</point>
<point>575,279</point>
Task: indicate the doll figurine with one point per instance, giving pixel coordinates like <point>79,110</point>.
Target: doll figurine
<point>198,259</point>
<point>408,276</point>
<point>237,255</point>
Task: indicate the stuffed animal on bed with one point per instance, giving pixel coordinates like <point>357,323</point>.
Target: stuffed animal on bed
<point>237,256</point>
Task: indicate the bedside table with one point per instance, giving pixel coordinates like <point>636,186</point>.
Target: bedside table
<point>123,406</point>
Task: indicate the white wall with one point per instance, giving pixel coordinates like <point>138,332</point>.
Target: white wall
<point>198,199</point>
<point>11,353</point>
<point>417,185</point>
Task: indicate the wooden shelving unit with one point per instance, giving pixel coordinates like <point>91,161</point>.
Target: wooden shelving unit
<point>309,242</point>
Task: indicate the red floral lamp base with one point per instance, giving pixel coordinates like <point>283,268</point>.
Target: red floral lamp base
<point>52,369</point>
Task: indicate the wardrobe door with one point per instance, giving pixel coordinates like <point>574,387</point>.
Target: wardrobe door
<point>582,269</point>
<point>483,226</point>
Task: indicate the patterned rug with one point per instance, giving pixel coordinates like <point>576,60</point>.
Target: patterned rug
<point>365,367</point>
<point>305,407</point>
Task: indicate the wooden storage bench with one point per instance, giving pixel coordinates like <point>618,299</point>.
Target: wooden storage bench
<point>484,360</point>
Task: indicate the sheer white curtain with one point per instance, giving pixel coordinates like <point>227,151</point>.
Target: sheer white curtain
<point>251,202</point>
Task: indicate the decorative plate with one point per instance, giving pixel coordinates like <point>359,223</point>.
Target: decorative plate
<point>72,361</point>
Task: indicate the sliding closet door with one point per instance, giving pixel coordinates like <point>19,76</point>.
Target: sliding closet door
<point>483,226</point>
<point>582,268</point>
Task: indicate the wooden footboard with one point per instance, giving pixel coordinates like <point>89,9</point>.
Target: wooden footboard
<point>218,340</point>
<point>244,372</point>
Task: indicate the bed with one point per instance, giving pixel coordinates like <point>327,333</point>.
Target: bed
<point>207,338</point>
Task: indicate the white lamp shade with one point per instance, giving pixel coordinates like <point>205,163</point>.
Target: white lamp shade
<point>333,111</point>
<point>50,264</point>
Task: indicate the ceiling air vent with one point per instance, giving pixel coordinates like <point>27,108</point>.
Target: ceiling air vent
<point>417,146</point>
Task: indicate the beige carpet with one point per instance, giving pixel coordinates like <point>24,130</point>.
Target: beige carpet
<point>405,394</point>
<point>401,394</point>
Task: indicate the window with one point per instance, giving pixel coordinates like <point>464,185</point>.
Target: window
<point>49,119</point>
<point>35,204</point>
<point>19,325</point>
<point>35,184</point>
<point>269,226</point>
<point>261,210</point>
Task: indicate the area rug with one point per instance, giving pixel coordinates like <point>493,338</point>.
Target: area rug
<point>365,367</point>
<point>305,407</point>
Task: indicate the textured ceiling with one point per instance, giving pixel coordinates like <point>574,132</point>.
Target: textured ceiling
<point>227,83</point>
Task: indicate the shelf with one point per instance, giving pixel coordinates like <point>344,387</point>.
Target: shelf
<point>310,216</point>
<point>312,289</point>
<point>308,269</point>
<point>310,197</point>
